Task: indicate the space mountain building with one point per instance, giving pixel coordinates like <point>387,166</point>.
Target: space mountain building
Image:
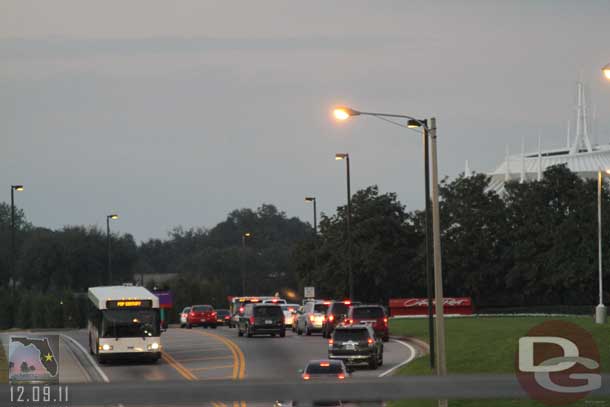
<point>580,156</point>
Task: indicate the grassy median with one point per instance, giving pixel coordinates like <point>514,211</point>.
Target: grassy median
<point>488,345</point>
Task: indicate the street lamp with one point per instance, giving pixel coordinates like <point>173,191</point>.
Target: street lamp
<point>112,216</point>
<point>315,230</point>
<point>600,310</point>
<point>606,71</point>
<point>14,188</point>
<point>429,135</point>
<point>244,236</point>
<point>350,276</point>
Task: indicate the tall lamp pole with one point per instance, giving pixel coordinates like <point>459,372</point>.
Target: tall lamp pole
<point>13,249</point>
<point>112,216</point>
<point>315,231</point>
<point>429,136</point>
<point>244,236</point>
<point>350,275</point>
<point>600,310</point>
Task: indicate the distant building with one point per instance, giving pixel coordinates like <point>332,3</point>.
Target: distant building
<point>580,156</point>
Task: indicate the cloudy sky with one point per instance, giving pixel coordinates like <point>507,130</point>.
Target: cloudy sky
<point>176,112</point>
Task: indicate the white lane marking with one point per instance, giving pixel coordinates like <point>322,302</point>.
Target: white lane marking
<point>413,354</point>
<point>88,356</point>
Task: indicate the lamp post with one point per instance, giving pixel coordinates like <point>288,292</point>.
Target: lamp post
<point>13,249</point>
<point>315,231</point>
<point>244,236</point>
<point>429,136</point>
<point>350,276</point>
<point>112,216</point>
<point>600,310</point>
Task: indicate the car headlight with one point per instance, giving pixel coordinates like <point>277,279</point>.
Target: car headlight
<point>105,347</point>
<point>154,346</point>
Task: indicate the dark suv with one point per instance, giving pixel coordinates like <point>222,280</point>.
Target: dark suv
<point>373,315</point>
<point>335,315</point>
<point>356,345</point>
<point>261,319</point>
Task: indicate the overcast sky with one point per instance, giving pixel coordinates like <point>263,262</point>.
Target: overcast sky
<point>176,112</point>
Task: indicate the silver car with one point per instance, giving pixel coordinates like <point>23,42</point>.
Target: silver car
<point>312,318</point>
<point>183,315</point>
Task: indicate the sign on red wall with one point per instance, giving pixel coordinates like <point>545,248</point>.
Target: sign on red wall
<point>419,306</point>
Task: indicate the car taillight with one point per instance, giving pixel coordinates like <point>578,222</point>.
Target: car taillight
<point>241,310</point>
<point>331,318</point>
<point>312,318</point>
<point>306,376</point>
<point>349,321</point>
<point>370,341</point>
<point>213,314</point>
<point>341,376</point>
<point>331,342</point>
<point>192,313</point>
<point>227,317</point>
<point>252,320</point>
<point>385,320</point>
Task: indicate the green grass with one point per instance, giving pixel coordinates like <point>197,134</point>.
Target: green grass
<point>488,345</point>
<point>3,366</point>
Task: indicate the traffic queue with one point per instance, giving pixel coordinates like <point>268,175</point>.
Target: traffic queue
<point>355,331</point>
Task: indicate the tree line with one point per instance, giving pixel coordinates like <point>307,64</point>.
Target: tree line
<point>534,245</point>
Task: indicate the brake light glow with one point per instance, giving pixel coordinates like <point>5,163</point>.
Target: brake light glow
<point>241,310</point>
<point>385,320</point>
<point>252,320</point>
<point>192,313</point>
<point>331,341</point>
<point>306,376</point>
<point>326,303</point>
<point>347,302</point>
<point>274,300</point>
<point>324,364</point>
<point>341,376</point>
<point>213,314</point>
<point>312,318</point>
<point>370,341</point>
<point>227,317</point>
<point>331,317</point>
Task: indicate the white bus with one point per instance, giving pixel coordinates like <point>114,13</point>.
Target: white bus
<point>123,321</point>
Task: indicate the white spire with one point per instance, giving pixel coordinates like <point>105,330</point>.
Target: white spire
<point>582,130</point>
<point>522,177</point>
<point>507,168</point>
<point>539,157</point>
<point>467,172</point>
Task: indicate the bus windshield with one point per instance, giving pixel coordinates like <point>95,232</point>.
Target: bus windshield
<point>130,323</point>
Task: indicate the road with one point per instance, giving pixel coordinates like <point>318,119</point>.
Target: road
<point>217,354</point>
<point>209,355</point>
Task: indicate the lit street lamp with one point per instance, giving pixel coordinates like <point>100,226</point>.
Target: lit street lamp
<point>429,135</point>
<point>108,260</point>
<point>315,230</point>
<point>244,236</point>
<point>13,249</point>
<point>600,310</point>
<point>606,71</point>
<point>350,276</point>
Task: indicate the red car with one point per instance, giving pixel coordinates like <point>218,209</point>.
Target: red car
<point>373,315</point>
<point>201,315</point>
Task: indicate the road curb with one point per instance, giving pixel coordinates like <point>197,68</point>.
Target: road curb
<point>422,346</point>
<point>86,361</point>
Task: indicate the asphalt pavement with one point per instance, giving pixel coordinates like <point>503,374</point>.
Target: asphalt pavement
<point>220,354</point>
